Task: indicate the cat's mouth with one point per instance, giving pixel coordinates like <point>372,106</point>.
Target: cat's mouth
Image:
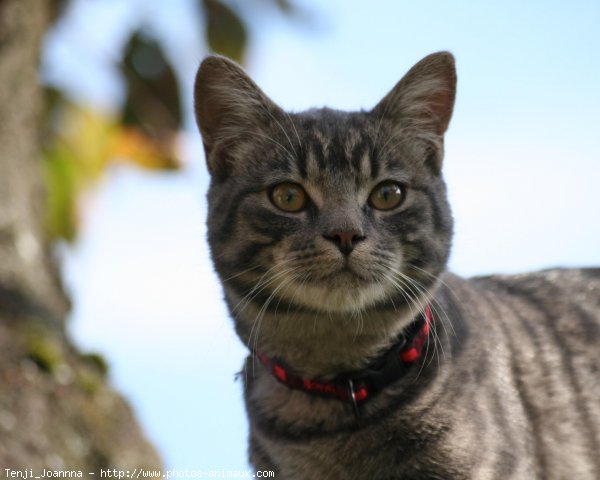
<point>336,283</point>
<point>346,272</point>
<point>341,291</point>
<point>354,272</point>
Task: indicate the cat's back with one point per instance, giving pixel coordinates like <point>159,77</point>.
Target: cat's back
<point>565,302</point>
<point>536,337</point>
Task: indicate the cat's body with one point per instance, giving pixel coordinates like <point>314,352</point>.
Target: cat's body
<point>515,394</point>
<point>331,232</point>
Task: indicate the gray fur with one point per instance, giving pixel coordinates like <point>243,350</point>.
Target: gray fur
<point>509,383</point>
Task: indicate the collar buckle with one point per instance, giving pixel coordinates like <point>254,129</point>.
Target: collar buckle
<point>352,396</point>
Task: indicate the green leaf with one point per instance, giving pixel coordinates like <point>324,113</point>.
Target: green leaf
<point>225,32</point>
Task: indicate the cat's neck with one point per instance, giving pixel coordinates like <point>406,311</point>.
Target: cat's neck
<point>325,344</point>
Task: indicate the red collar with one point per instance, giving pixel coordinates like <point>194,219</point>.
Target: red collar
<point>358,387</point>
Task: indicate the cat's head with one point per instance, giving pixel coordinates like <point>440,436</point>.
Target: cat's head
<point>327,210</point>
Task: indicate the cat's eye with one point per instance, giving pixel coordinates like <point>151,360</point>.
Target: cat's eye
<point>288,197</point>
<point>386,195</point>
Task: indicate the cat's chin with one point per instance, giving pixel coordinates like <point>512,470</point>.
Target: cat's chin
<point>339,295</point>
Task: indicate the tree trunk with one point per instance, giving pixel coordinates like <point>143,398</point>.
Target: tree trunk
<point>56,410</point>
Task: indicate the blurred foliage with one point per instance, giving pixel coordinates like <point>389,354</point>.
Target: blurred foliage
<point>225,32</point>
<point>80,143</point>
<point>153,102</point>
<point>85,142</point>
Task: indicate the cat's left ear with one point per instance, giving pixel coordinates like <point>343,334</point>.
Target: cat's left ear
<point>424,98</point>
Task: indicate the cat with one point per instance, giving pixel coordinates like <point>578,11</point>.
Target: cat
<point>331,232</point>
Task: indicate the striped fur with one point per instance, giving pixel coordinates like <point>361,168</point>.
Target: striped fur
<point>508,387</point>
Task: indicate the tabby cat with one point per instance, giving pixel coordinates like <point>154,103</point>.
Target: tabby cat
<point>330,232</point>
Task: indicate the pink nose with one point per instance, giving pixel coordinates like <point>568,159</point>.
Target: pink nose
<point>345,240</point>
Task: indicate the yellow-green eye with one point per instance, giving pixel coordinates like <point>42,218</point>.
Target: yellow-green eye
<point>386,195</point>
<point>288,197</point>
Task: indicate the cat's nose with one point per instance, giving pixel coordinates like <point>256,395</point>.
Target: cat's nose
<point>345,240</point>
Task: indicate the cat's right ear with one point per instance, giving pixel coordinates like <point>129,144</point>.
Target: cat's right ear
<point>229,107</point>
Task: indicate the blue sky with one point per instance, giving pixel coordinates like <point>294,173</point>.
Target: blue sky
<point>522,166</point>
